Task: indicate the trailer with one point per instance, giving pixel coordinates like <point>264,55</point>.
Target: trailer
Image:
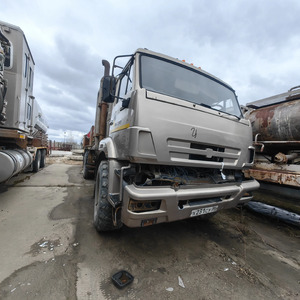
<point>276,135</point>
<point>169,142</point>
<point>23,138</point>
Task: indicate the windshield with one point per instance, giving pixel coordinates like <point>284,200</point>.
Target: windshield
<point>175,80</point>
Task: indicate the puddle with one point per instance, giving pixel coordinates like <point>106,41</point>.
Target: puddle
<point>44,246</point>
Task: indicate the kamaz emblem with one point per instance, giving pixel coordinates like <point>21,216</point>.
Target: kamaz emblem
<point>194,132</point>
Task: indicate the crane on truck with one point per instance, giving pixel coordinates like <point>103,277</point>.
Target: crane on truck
<point>23,139</point>
<point>169,143</point>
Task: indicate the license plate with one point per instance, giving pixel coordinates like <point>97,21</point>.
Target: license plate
<point>203,211</point>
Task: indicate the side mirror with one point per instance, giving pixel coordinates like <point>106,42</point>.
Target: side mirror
<point>108,89</point>
<point>125,103</point>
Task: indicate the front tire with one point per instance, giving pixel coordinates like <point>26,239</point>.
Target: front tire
<point>104,213</point>
<point>87,174</point>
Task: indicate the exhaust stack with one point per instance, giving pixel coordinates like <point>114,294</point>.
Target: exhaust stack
<point>101,113</point>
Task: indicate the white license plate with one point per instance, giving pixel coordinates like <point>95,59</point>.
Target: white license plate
<point>203,211</point>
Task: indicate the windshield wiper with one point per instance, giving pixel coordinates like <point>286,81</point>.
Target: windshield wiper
<point>205,105</point>
<point>221,111</point>
<point>230,115</point>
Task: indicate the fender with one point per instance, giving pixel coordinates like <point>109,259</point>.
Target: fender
<point>107,146</point>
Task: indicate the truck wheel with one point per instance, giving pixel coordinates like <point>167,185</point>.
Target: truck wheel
<point>43,158</point>
<point>103,211</point>
<point>37,161</point>
<point>86,173</point>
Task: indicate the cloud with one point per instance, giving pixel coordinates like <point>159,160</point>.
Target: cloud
<point>69,84</point>
<point>252,45</point>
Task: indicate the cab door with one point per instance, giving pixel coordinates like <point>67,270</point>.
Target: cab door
<point>120,116</point>
<point>28,91</point>
<point>122,113</point>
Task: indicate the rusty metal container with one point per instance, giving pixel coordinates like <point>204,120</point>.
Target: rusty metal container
<point>276,118</point>
<point>280,122</point>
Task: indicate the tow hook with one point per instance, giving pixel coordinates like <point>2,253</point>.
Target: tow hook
<point>115,201</point>
<point>114,212</point>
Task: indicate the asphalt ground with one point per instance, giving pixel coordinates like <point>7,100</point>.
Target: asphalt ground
<point>50,249</point>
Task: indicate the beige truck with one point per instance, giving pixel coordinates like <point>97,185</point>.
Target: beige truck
<point>23,139</point>
<point>169,143</point>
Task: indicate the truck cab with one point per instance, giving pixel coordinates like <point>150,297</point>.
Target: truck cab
<point>175,147</point>
<point>23,139</point>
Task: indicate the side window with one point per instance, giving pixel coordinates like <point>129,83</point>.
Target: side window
<point>126,83</point>
<point>30,76</point>
<point>130,78</point>
<point>7,63</point>
<point>28,111</point>
<point>7,50</point>
<point>122,90</point>
<point>25,65</point>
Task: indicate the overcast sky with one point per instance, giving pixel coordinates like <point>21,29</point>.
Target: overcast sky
<point>253,45</point>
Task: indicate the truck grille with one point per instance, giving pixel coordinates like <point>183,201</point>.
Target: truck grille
<point>199,152</point>
<point>209,156</point>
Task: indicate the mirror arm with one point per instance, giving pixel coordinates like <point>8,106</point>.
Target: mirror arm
<point>117,97</point>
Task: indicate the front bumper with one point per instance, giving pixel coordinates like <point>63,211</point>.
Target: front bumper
<point>223,196</point>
